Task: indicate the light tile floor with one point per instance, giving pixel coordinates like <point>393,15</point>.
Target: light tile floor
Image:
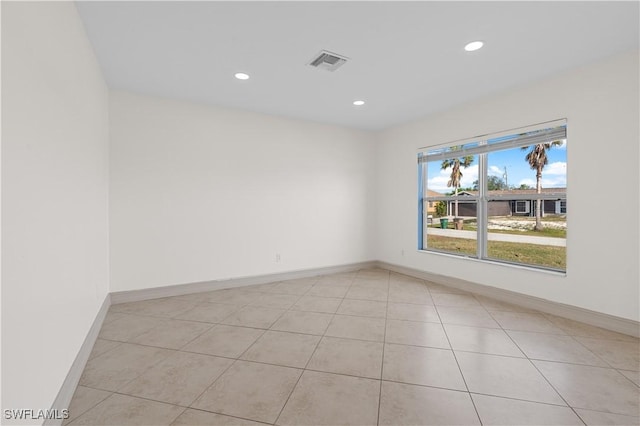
<point>360,348</point>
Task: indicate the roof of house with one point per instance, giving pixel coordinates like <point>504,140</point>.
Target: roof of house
<point>515,191</point>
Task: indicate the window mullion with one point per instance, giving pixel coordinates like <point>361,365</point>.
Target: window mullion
<point>422,209</point>
<point>481,210</point>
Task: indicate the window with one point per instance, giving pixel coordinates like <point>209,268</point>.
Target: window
<point>522,207</point>
<point>500,197</point>
<point>562,207</point>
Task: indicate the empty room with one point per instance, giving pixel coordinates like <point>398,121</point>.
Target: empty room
<point>320,213</point>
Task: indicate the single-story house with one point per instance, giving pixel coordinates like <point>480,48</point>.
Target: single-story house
<point>431,205</point>
<point>510,207</point>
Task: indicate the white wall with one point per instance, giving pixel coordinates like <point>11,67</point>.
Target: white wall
<point>201,193</point>
<point>54,197</point>
<point>600,103</point>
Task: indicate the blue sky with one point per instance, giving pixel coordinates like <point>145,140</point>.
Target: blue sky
<point>554,174</point>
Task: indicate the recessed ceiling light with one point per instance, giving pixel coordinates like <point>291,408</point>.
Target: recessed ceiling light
<point>242,76</point>
<point>358,103</point>
<point>474,45</point>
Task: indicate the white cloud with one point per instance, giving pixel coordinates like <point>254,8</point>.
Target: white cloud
<point>554,175</point>
<point>557,168</point>
<point>439,183</point>
<point>495,171</point>
<point>469,175</point>
<point>556,182</point>
<point>529,182</point>
<point>559,181</point>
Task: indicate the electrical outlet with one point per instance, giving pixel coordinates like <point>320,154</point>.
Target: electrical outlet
<point>402,252</point>
<point>277,257</point>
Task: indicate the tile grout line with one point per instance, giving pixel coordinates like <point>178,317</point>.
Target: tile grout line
<point>226,369</point>
<point>384,344</point>
<point>307,363</point>
<point>632,382</point>
<point>147,368</point>
<point>593,353</point>
<point>538,370</point>
<point>558,392</point>
<point>235,360</point>
<point>519,399</point>
<point>67,421</point>
<point>265,329</point>
<point>266,307</point>
<point>230,365</point>
<point>271,325</point>
<point>350,375</point>
<point>506,331</point>
<point>220,414</point>
<point>464,380</point>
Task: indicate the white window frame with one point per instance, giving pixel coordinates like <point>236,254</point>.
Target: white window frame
<point>480,147</point>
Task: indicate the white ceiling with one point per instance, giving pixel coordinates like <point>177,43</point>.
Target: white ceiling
<point>406,58</point>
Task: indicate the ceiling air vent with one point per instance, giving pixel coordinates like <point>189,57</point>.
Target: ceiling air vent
<point>328,61</point>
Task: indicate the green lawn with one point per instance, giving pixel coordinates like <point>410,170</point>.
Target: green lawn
<point>546,232</point>
<point>531,254</point>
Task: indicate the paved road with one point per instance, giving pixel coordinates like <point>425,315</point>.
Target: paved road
<point>513,238</point>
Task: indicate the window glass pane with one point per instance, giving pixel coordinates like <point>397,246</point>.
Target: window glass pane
<point>522,227</point>
<point>454,235</point>
<point>510,170</point>
<point>512,237</point>
<point>457,175</point>
<point>456,179</point>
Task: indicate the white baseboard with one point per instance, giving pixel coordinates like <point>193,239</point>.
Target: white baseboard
<point>182,289</point>
<point>68,388</point>
<point>597,319</point>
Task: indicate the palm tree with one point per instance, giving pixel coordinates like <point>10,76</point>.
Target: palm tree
<point>456,174</point>
<point>537,159</point>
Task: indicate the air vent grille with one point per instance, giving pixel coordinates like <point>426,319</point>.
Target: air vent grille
<point>328,61</point>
